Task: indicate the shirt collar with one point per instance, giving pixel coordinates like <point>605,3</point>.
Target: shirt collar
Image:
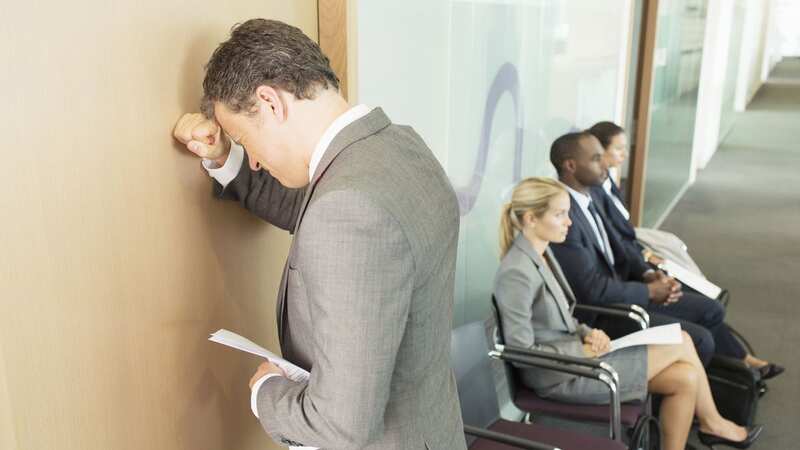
<point>607,185</point>
<point>582,199</point>
<point>349,116</point>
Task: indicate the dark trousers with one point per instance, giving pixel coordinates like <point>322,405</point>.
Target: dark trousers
<point>703,319</point>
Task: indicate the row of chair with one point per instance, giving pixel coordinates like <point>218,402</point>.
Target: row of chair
<point>631,425</point>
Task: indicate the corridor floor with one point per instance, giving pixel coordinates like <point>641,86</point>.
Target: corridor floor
<point>741,222</point>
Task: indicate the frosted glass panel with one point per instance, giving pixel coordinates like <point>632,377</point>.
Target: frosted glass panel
<point>679,50</point>
<point>489,86</point>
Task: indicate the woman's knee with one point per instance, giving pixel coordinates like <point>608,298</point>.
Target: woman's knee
<point>678,378</point>
<point>687,377</point>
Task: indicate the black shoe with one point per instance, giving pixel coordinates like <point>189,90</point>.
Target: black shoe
<point>771,370</point>
<point>710,439</point>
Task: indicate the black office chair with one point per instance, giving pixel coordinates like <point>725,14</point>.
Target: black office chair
<point>483,426</point>
<point>643,429</point>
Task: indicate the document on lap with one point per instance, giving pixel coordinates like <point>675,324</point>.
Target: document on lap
<point>231,339</point>
<point>664,334</point>
<point>691,279</point>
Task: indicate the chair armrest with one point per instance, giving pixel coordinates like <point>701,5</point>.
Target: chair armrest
<point>566,359</point>
<point>727,362</point>
<point>559,363</point>
<point>724,297</point>
<point>634,313</point>
<point>506,438</point>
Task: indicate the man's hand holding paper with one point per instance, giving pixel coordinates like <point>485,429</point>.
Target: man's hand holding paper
<point>265,369</point>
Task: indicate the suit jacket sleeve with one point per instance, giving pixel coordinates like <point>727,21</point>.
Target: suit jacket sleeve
<point>634,256</point>
<point>262,194</point>
<point>589,283</point>
<point>358,273</point>
<point>516,292</point>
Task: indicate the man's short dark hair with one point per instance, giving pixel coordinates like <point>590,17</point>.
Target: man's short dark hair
<point>264,52</point>
<point>566,147</point>
<point>605,131</point>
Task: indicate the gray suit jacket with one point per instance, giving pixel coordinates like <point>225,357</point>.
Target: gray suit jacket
<point>367,294</point>
<point>536,306</point>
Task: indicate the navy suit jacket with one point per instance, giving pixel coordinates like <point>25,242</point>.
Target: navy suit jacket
<point>590,274</point>
<point>621,225</point>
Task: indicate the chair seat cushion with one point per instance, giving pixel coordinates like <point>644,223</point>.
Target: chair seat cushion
<point>563,439</point>
<point>528,401</point>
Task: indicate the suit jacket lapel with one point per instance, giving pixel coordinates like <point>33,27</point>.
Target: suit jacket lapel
<point>550,281</point>
<point>560,277</point>
<point>368,125</point>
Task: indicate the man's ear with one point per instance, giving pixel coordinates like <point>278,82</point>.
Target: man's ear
<point>271,102</point>
<point>569,166</point>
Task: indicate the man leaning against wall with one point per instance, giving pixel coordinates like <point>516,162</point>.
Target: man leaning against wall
<point>366,298</point>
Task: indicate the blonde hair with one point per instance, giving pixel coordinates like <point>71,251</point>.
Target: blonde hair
<point>529,195</point>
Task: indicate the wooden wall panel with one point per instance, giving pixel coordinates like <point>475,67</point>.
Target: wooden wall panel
<point>7,434</point>
<point>333,16</point>
<point>115,260</point>
<point>644,87</point>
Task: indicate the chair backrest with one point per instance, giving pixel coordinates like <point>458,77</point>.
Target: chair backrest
<point>497,337</point>
<point>471,364</point>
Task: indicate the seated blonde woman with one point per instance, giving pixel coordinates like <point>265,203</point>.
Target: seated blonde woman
<point>536,303</point>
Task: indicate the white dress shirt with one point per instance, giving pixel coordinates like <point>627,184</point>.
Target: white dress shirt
<point>233,164</point>
<point>583,201</point>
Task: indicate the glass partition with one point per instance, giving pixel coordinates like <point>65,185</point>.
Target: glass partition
<point>679,51</point>
<point>489,85</point>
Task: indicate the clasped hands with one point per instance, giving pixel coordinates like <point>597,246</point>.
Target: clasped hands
<point>662,288</point>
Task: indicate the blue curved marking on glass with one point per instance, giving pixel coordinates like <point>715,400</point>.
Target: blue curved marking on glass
<point>506,80</point>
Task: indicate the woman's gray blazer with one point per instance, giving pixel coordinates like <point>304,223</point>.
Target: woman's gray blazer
<point>535,304</point>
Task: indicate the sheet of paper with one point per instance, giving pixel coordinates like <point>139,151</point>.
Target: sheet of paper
<point>691,279</point>
<point>231,339</point>
<point>293,372</point>
<point>664,334</point>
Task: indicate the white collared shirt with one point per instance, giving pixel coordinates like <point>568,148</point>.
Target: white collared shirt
<point>617,202</point>
<point>233,164</point>
<point>350,116</point>
<point>230,169</point>
<point>583,202</point>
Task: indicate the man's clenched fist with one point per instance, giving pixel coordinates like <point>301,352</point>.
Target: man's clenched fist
<point>203,137</point>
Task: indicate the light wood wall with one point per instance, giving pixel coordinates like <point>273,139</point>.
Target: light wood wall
<point>115,261</point>
<point>333,31</point>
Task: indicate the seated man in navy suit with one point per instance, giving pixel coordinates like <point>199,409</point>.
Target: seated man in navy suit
<point>601,269</point>
<point>608,200</point>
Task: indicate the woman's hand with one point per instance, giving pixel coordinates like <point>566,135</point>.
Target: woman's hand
<point>597,342</point>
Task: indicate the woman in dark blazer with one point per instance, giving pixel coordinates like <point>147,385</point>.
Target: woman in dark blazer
<point>536,303</point>
<point>614,141</point>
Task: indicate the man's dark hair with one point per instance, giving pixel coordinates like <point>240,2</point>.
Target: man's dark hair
<point>566,147</point>
<point>264,52</point>
<point>605,131</point>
